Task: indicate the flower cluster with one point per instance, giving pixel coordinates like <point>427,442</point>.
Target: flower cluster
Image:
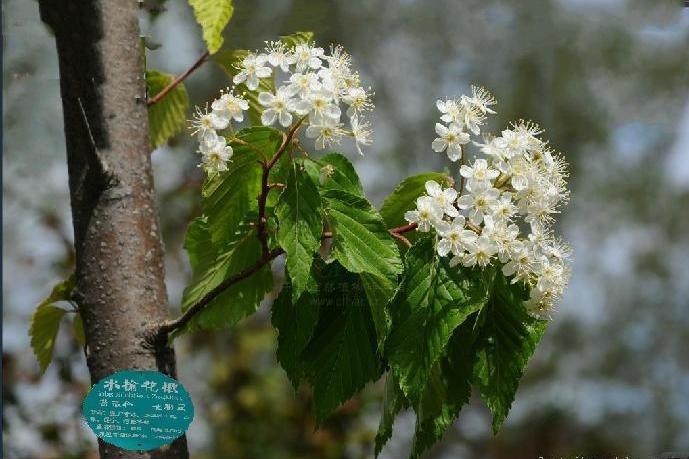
<point>517,184</point>
<point>310,86</point>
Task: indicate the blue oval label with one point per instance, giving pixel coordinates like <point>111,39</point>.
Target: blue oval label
<point>138,410</point>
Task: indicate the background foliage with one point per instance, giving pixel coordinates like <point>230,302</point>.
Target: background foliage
<point>608,79</point>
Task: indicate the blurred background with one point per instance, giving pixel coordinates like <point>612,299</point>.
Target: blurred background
<point>607,79</point>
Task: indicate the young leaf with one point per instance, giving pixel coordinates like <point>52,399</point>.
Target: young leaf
<point>334,172</point>
<point>239,300</point>
<point>507,338</point>
<point>300,226</point>
<point>229,196</point>
<point>212,16</point>
<point>296,38</point>
<point>167,117</point>
<point>404,197</point>
<point>45,322</point>
<point>360,241</point>
<point>393,403</point>
<point>431,302</point>
<point>341,356</point>
<point>295,321</point>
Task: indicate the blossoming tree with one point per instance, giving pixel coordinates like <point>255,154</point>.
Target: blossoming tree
<point>448,286</point>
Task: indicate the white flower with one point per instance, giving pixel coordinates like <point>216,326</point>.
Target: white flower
<point>230,107</point>
<point>453,236</point>
<point>503,209</point>
<point>479,172</point>
<point>206,123</point>
<point>451,111</point>
<point>504,236</point>
<point>278,107</point>
<point>302,84</point>
<point>326,132</point>
<point>479,252</point>
<point>252,68</point>
<point>361,132</point>
<point>215,155</point>
<point>318,105</point>
<point>307,56</point>
<point>472,116</point>
<point>427,213</point>
<point>520,264</point>
<point>478,201</point>
<point>451,138</point>
<point>481,99</point>
<point>279,55</point>
<point>513,143</point>
<point>444,199</point>
<point>357,99</point>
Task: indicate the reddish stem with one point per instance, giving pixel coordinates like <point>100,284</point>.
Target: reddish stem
<point>155,99</point>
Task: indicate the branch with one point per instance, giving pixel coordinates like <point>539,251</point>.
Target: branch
<point>155,99</point>
<point>181,321</point>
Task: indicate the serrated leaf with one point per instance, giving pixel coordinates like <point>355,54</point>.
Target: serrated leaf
<point>229,196</point>
<point>212,16</point>
<point>508,337</point>
<point>296,38</point>
<point>379,291</point>
<point>45,322</point>
<point>403,198</point>
<point>166,117</point>
<point>341,356</point>
<point>295,322</point>
<point>237,301</point>
<point>300,226</point>
<point>78,328</point>
<point>448,389</point>
<point>229,60</point>
<point>431,302</point>
<point>360,241</point>
<point>393,403</point>
<point>339,175</point>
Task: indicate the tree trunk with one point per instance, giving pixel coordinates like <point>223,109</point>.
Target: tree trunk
<point>120,285</point>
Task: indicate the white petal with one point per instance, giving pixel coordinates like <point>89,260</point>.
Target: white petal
<point>454,153</point>
<point>263,72</point>
<point>439,145</point>
<point>433,188</point>
<point>285,119</point>
<point>268,117</point>
<point>444,247</point>
<point>265,98</point>
<point>441,130</point>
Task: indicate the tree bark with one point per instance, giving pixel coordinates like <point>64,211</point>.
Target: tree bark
<point>120,285</point>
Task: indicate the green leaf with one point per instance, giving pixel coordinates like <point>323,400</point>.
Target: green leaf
<point>334,172</point>
<point>431,302</point>
<point>212,16</point>
<point>360,241</point>
<point>404,197</point>
<point>78,328</point>
<point>229,60</point>
<point>230,195</point>
<point>393,403</point>
<point>297,38</point>
<point>166,117</point>
<point>508,337</point>
<point>448,389</point>
<point>379,291</point>
<point>237,301</point>
<point>295,322</point>
<point>45,322</point>
<point>300,226</point>
<point>341,356</point>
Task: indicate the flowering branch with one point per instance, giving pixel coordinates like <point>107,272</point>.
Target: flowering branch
<point>158,97</point>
